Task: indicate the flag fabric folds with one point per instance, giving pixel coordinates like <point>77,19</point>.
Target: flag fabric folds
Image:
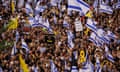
<point>91,25</point>
<point>78,5</point>
<point>108,55</point>
<point>105,9</point>
<point>17,36</point>
<point>14,50</point>
<point>24,45</point>
<point>98,67</point>
<point>13,24</point>
<point>53,67</point>
<point>70,39</point>
<point>23,64</point>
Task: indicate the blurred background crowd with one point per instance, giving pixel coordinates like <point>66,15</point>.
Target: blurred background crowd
<point>42,36</point>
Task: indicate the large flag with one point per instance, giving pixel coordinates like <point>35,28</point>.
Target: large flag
<point>53,67</point>
<point>24,45</point>
<point>91,24</point>
<point>13,24</point>
<point>78,5</point>
<point>23,64</point>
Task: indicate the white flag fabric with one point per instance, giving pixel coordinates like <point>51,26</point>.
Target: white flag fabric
<point>91,24</point>
<point>17,36</point>
<point>53,67</point>
<point>14,50</point>
<point>24,45</point>
<point>70,39</point>
<point>105,8</point>
<point>98,67</point>
<point>108,55</point>
<point>28,8</point>
<point>74,69</point>
<point>78,5</point>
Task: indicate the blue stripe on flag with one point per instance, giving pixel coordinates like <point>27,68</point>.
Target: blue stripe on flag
<point>83,3</point>
<point>75,7</point>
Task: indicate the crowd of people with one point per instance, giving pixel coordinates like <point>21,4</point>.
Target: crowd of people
<point>57,47</point>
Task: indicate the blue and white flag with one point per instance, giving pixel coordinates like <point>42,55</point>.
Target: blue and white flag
<point>91,24</point>
<point>98,67</point>
<point>46,25</point>
<point>117,5</point>
<point>17,36</point>
<point>70,39</point>
<point>28,8</point>
<point>14,50</point>
<point>74,69</point>
<point>66,24</point>
<point>24,45</point>
<point>108,55</point>
<point>78,5</point>
<point>53,67</point>
<point>95,39</point>
<point>105,9</point>
<point>111,35</point>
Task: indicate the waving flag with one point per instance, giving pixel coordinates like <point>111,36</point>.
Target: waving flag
<point>105,8</point>
<point>14,50</point>
<point>53,67</point>
<point>108,55</point>
<point>91,24</point>
<point>24,45</point>
<point>78,5</point>
<point>111,35</point>
<point>70,39</point>
<point>28,8</point>
<point>95,39</point>
<point>98,67</point>
<point>74,69</point>
<point>117,5</point>
<point>17,36</point>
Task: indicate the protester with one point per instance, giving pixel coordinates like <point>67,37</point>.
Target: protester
<point>59,36</point>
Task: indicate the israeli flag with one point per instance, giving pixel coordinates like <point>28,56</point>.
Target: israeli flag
<point>14,50</point>
<point>91,24</point>
<point>95,39</point>
<point>28,8</point>
<point>65,24</point>
<point>74,69</point>
<point>17,36</point>
<point>108,55</point>
<point>105,8</point>
<point>117,5</point>
<point>70,39</point>
<point>84,6</point>
<point>24,45</point>
<point>46,25</point>
<point>53,67</point>
<point>98,67</point>
<point>111,35</point>
<point>78,5</point>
